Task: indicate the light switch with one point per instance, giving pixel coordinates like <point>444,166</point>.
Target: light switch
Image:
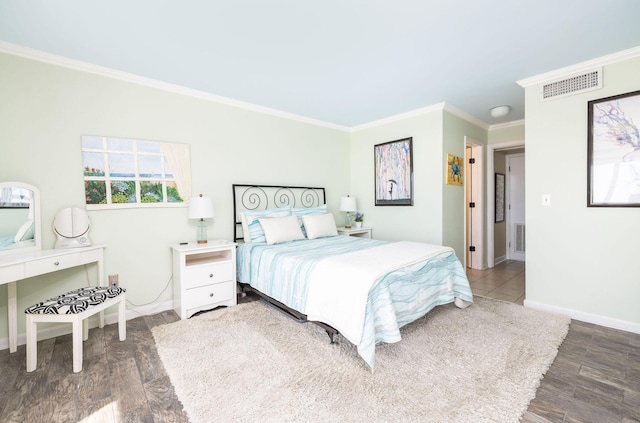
<point>546,199</point>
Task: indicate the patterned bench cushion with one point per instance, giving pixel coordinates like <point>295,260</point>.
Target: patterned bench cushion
<point>76,301</point>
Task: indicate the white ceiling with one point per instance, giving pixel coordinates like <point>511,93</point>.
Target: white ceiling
<point>346,62</point>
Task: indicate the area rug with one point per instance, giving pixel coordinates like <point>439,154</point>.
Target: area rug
<point>251,363</point>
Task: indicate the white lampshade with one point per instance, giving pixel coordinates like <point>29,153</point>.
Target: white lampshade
<point>200,208</point>
<point>348,204</point>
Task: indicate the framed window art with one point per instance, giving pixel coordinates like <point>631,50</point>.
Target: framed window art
<point>394,173</point>
<point>126,173</point>
<point>613,153</point>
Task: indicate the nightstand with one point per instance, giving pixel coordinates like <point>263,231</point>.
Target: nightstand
<point>204,276</point>
<point>362,232</point>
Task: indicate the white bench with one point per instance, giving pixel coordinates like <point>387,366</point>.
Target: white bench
<point>73,307</point>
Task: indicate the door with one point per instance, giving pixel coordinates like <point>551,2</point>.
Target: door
<point>474,195</point>
<point>516,207</point>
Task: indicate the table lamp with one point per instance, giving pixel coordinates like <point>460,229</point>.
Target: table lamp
<point>347,204</point>
<point>201,208</point>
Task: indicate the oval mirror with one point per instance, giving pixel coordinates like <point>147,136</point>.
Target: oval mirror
<point>20,229</point>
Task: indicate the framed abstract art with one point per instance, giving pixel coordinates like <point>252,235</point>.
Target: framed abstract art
<point>613,151</point>
<point>393,165</point>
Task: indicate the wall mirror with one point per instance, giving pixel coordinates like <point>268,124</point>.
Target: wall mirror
<point>20,228</point>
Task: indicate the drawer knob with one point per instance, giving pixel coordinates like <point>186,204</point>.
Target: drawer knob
<point>211,294</point>
<point>56,263</point>
<point>210,275</point>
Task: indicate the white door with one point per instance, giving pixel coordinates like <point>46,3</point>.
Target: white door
<point>474,205</point>
<point>515,207</point>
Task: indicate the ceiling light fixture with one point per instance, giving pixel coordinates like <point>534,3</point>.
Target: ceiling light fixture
<point>500,111</point>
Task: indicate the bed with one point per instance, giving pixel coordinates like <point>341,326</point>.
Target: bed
<point>289,253</point>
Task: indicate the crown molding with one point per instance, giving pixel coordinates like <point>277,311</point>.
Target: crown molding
<point>580,67</point>
<point>33,54</point>
<point>507,124</point>
<point>398,117</point>
<point>38,55</point>
<point>465,116</point>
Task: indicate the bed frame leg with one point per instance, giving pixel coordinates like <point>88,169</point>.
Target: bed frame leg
<point>331,336</point>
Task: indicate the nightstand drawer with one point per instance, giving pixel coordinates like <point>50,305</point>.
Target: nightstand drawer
<point>196,276</point>
<point>210,294</point>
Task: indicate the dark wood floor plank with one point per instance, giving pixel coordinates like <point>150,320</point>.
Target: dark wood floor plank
<point>141,414</point>
<point>103,411</point>
<point>149,364</point>
<point>62,358</point>
<point>529,417</point>
<point>163,402</point>
<point>94,345</point>
<point>94,380</point>
<point>126,385</point>
<point>28,390</point>
<point>59,402</point>
<point>631,406</point>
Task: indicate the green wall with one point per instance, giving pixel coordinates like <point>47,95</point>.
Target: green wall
<point>454,198</point>
<point>579,259</point>
<point>423,221</point>
<point>45,109</point>
<point>438,214</point>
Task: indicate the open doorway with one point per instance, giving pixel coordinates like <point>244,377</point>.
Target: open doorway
<point>515,216</point>
<point>499,234</point>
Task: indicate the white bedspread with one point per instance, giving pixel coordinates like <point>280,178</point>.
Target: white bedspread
<point>339,285</point>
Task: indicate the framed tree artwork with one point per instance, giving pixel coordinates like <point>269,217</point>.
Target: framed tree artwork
<point>393,165</point>
<point>613,153</point>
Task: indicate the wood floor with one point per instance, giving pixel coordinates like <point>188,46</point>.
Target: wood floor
<point>595,378</point>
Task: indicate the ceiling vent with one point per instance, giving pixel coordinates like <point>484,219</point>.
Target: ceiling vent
<point>587,81</point>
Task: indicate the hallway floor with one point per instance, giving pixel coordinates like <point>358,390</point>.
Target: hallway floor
<point>504,282</point>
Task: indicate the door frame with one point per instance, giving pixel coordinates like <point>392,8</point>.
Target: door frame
<point>477,193</point>
<point>491,208</point>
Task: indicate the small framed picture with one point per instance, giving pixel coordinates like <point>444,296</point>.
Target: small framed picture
<point>499,192</point>
<point>455,170</point>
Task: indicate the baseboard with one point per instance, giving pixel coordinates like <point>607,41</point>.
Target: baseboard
<point>499,260</point>
<point>64,329</point>
<point>582,316</point>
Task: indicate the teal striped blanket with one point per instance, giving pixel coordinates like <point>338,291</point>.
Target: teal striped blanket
<point>366,289</point>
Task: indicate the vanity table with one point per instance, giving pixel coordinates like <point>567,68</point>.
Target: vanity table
<point>19,266</point>
<point>25,258</point>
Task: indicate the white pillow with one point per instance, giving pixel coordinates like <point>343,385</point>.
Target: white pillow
<point>281,229</point>
<point>321,225</point>
<point>307,211</point>
<point>25,232</point>
<point>251,228</point>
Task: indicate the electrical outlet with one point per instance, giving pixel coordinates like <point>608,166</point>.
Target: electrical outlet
<point>113,281</point>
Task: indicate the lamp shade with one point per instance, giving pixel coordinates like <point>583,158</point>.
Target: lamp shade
<point>348,204</point>
<point>200,208</point>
